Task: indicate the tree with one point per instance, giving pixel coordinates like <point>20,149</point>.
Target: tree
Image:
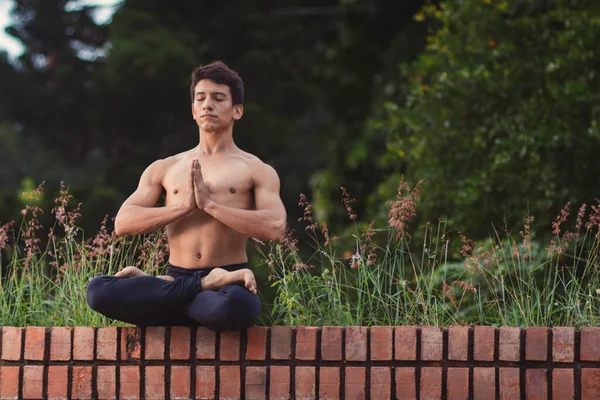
<point>501,114</point>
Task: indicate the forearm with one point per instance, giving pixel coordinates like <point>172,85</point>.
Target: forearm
<point>136,220</point>
<point>259,224</point>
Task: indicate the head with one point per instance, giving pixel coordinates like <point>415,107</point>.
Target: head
<point>217,94</point>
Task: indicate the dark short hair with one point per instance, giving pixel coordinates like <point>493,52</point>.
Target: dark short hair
<point>219,73</point>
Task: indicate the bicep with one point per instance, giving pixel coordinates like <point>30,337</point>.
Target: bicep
<point>149,188</point>
<point>266,191</point>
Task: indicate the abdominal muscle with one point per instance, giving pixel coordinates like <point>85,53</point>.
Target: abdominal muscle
<point>200,241</point>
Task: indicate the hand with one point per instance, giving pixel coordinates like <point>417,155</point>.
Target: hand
<point>189,201</point>
<point>201,193</point>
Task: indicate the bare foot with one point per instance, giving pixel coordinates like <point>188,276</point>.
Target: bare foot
<point>130,272</point>
<point>249,280</point>
<point>215,280</point>
<point>218,277</point>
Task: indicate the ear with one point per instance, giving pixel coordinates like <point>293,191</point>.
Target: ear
<point>238,111</point>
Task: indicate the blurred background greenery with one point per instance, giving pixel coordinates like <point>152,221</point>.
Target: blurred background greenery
<point>495,104</point>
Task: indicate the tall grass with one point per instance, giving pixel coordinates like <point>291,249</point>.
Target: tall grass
<point>505,280</point>
<point>371,276</point>
<point>45,272</point>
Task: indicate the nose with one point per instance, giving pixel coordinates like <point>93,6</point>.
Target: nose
<point>207,105</point>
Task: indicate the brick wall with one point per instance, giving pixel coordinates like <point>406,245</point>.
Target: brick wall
<point>306,362</point>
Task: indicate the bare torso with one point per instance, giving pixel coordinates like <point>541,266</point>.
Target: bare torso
<point>198,240</point>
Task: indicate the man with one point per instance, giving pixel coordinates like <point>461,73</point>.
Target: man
<point>216,197</point>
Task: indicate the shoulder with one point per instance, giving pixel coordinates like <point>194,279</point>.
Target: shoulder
<point>262,173</point>
<point>156,171</point>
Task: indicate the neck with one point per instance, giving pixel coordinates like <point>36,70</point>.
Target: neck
<point>216,142</point>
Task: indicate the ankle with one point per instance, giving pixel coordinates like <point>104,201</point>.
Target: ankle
<point>207,283</point>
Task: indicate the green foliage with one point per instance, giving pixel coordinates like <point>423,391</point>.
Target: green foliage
<point>500,113</point>
<point>503,280</point>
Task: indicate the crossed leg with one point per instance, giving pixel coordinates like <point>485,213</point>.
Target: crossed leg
<point>221,300</point>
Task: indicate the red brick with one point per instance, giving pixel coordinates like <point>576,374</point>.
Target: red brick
<point>106,343</point>
<point>381,342</point>
<point>329,383</point>
<point>536,384</point>
<point>536,344</point>
<point>83,343</point>
<point>81,385</point>
<point>510,343</point>
<point>305,383</point>
<point>35,337</point>
<point>180,382</point>
<point>9,382</point>
<point>279,379</point>
<point>484,383</point>
<point>483,339</point>
<point>230,382</point>
<point>281,342</point>
<point>458,383</point>
<point>60,344</point>
<point>510,384</point>
<point>458,343</point>
<point>356,343</point>
<point>563,386</point>
<point>11,343</point>
<point>431,343</point>
<point>431,383</point>
<point>180,343</point>
<point>205,382</point>
<point>129,382</point>
<point>306,343</point>
<point>355,383</point>
<point>256,348</point>
<point>205,344</point>
<point>155,343</point>
<point>381,383</point>
<point>155,383</point>
<point>230,346</point>
<point>33,381</point>
<point>131,343</point>
<point>563,344</point>
<point>405,342</point>
<point>406,383</point>
<point>58,376</point>
<point>256,383</point>
<point>331,343</point>
<point>106,382</point>
<point>590,344</point>
<point>590,383</point>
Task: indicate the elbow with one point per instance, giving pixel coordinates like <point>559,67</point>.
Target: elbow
<point>119,227</point>
<point>278,230</point>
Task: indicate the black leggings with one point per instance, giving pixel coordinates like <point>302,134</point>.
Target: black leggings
<point>151,301</point>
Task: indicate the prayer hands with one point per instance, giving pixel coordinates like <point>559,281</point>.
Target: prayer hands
<point>201,193</point>
<point>198,195</point>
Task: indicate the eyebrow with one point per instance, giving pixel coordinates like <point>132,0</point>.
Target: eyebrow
<point>215,93</point>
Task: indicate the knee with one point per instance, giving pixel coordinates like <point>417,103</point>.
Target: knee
<point>244,305</point>
<point>96,294</point>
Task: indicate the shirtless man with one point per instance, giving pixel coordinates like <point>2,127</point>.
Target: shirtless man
<point>217,196</point>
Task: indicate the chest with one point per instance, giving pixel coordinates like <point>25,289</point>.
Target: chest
<point>229,181</point>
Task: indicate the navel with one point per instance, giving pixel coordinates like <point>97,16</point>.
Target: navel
<point>175,191</point>
<point>198,255</point>
<point>232,190</point>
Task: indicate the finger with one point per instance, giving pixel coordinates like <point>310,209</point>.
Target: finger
<point>191,186</point>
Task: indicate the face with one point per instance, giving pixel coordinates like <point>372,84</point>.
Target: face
<point>212,108</point>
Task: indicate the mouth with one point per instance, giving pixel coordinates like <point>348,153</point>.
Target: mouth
<point>208,116</point>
